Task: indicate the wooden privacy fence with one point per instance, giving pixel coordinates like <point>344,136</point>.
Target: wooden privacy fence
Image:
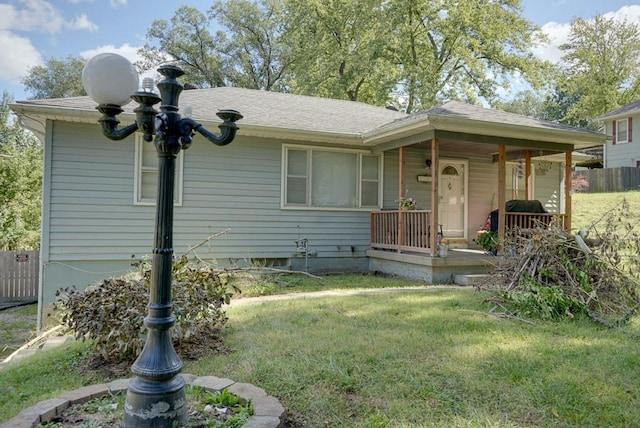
<point>19,275</point>
<point>617,179</point>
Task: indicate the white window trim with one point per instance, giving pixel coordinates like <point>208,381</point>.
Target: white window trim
<point>283,184</point>
<point>618,141</point>
<point>139,169</point>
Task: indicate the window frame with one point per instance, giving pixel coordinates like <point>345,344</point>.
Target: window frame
<point>140,169</point>
<point>309,149</point>
<point>616,125</point>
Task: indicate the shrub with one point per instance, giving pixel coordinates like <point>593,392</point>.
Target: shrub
<point>111,313</point>
<point>579,183</point>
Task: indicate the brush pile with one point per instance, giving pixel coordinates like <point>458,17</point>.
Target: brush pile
<point>550,274</point>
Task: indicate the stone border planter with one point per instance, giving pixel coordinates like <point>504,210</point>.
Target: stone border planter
<point>268,411</point>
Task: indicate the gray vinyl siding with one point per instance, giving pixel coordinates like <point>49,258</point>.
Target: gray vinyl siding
<point>623,154</point>
<point>236,187</point>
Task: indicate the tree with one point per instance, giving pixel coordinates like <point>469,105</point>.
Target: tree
<point>248,53</point>
<point>56,79</point>
<point>601,66</point>
<point>417,52</point>
<point>187,40</point>
<point>448,49</point>
<point>20,183</point>
<point>341,49</point>
<point>527,103</point>
<point>255,56</point>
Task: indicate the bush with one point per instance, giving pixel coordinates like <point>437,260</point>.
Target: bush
<point>111,313</point>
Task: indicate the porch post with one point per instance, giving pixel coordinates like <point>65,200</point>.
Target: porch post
<point>568,176</point>
<point>527,173</point>
<point>401,189</point>
<point>502,191</point>
<point>435,172</point>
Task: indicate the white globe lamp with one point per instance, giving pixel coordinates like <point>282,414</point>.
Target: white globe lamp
<point>110,79</point>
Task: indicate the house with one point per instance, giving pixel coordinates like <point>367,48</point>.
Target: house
<point>307,183</point>
<point>621,149</point>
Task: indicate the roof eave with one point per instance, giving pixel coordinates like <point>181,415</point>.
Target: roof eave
<point>519,131</point>
<point>34,118</point>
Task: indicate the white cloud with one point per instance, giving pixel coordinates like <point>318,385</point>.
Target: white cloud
<point>126,50</point>
<point>558,33</point>
<point>118,3</point>
<point>18,59</point>
<point>628,13</point>
<point>82,22</point>
<point>37,15</point>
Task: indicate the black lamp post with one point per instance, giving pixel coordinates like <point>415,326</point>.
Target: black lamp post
<point>155,397</point>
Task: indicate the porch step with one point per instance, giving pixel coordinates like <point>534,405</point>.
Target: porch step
<point>474,279</point>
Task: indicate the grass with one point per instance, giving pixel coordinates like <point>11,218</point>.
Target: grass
<point>415,358</point>
<point>588,208</point>
<point>252,286</point>
<point>17,326</point>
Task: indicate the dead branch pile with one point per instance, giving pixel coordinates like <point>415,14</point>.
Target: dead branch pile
<point>552,274</point>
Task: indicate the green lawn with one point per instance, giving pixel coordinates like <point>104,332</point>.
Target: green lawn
<point>422,357</point>
<point>588,208</point>
<point>415,358</point>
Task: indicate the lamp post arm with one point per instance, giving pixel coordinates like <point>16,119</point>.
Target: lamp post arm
<point>228,128</point>
<point>110,123</point>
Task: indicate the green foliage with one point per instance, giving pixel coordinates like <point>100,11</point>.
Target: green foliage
<point>538,300</point>
<point>488,241</point>
<point>20,183</point>
<point>411,53</point>
<point>111,313</point>
<point>595,272</point>
<point>237,412</point>
<point>57,78</point>
<point>256,56</point>
<point>187,39</point>
<point>601,66</point>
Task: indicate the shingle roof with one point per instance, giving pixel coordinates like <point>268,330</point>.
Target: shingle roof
<point>633,107</point>
<point>456,109</point>
<point>330,118</point>
<point>261,108</point>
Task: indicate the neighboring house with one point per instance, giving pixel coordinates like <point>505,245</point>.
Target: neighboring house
<point>623,145</point>
<point>323,170</point>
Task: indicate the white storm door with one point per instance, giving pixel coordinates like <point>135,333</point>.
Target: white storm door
<point>452,197</point>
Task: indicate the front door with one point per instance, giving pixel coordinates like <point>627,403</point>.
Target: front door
<point>452,198</point>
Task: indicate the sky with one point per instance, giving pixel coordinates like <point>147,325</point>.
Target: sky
<point>32,31</point>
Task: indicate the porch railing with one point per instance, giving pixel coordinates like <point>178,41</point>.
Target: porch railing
<point>528,221</point>
<point>401,230</point>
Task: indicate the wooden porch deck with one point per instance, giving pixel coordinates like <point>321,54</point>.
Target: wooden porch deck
<point>400,245</point>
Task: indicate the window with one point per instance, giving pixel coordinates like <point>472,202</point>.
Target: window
<point>323,178</point>
<point>146,174</point>
<point>622,131</point>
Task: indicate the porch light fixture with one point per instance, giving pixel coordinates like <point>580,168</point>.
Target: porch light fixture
<point>155,396</point>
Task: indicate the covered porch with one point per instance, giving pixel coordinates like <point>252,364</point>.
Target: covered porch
<point>488,157</point>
